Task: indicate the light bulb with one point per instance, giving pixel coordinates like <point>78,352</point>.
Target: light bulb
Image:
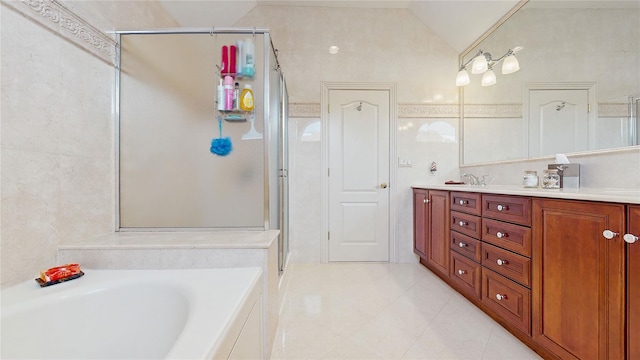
<point>479,64</point>
<point>462,78</point>
<point>489,78</point>
<point>510,65</point>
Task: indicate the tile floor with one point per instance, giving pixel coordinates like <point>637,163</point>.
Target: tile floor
<point>383,311</point>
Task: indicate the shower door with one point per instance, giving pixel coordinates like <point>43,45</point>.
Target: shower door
<point>284,174</point>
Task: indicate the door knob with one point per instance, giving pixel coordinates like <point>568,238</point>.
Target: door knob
<point>383,185</point>
<point>608,234</point>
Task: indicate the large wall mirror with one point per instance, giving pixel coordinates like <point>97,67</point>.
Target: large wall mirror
<point>578,87</point>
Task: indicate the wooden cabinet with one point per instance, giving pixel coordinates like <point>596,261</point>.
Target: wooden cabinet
<point>578,283</point>
<point>420,222</point>
<point>633,283</point>
<point>509,300</point>
<point>431,229</point>
<point>541,267</point>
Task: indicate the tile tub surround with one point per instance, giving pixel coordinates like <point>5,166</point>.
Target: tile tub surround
<point>186,250</point>
<point>57,126</point>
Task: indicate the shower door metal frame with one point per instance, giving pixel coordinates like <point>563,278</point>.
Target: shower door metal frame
<point>116,110</point>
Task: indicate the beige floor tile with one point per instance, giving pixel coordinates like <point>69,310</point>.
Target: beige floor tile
<point>384,311</point>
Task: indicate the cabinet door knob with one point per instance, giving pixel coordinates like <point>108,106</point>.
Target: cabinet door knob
<point>461,244</point>
<point>426,201</point>
<point>463,202</point>
<point>501,262</point>
<point>608,234</point>
<point>502,207</point>
<point>501,297</point>
<point>500,235</point>
<point>463,223</point>
<point>630,238</point>
<point>462,272</point>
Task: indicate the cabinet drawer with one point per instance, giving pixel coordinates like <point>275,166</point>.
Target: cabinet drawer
<point>466,246</point>
<point>466,202</point>
<point>508,299</point>
<point>466,224</point>
<point>515,209</point>
<point>466,274</point>
<point>509,236</point>
<point>515,267</point>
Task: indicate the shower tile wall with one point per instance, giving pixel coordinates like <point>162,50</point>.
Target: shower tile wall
<point>57,135</point>
<point>376,45</point>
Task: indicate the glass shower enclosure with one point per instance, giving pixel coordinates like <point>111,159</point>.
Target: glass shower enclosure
<point>167,118</point>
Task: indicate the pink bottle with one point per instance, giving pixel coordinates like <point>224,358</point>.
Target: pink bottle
<point>228,93</point>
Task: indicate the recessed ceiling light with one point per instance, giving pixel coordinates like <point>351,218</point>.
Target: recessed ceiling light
<point>333,49</point>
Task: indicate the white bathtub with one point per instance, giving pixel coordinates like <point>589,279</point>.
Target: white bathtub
<point>136,314</point>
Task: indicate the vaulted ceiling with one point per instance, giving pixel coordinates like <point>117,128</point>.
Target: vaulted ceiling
<point>459,23</point>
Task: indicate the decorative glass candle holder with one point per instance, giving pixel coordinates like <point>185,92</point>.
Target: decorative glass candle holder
<point>550,179</point>
<point>530,179</point>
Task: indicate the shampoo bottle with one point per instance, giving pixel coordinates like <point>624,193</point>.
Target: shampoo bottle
<point>221,98</point>
<point>224,62</point>
<point>239,57</point>
<point>228,92</point>
<point>236,97</point>
<point>246,98</point>
<point>248,64</point>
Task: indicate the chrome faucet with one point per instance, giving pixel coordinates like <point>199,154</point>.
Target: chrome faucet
<point>471,179</point>
<point>475,180</point>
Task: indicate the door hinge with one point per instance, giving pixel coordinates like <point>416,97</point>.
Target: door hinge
<point>588,108</point>
<point>328,235</point>
<point>328,107</point>
<point>328,172</point>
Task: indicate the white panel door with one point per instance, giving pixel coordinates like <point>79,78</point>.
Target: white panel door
<point>558,121</point>
<point>358,175</point>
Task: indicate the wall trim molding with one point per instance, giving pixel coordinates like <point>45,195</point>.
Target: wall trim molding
<point>614,110</point>
<point>312,110</point>
<point>493,111</point>
<point>304,110</point>
<point>428,110</point>
<point>63,22</point>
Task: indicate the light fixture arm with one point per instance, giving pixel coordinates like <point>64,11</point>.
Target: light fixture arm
<point>491,61</point>
<point>483,63</point>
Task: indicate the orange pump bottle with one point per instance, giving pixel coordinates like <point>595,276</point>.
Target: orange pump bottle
<point>246,99</point>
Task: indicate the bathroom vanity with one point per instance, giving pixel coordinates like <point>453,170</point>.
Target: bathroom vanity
<point>551,266</point>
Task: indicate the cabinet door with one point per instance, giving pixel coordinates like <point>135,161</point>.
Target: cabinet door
<point>438,250</point>
<point>633,285</point>
<point>578,283</point>
<point>420,213</point>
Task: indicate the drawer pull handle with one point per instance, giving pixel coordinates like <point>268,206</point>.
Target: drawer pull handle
<point>462,272</point>
<point>630,238</point>
<point>461,244</point>
<point>501,297</point>
<point>501,235</point>
<point>463,223</point>
<point>501,262</point>
<point>608,234</point>
<point>463,202</point>
<point>502,207</point>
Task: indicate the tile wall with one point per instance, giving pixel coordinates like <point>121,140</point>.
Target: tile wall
<point>57,127</point>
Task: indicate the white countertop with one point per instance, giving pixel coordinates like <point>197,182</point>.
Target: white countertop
<point>177,240</point>
<point>625,196</point>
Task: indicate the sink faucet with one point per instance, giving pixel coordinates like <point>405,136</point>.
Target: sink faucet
<point>472,179</point>
<point>475,180</point>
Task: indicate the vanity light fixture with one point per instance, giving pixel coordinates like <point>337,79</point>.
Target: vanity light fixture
<point>483,63</point>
